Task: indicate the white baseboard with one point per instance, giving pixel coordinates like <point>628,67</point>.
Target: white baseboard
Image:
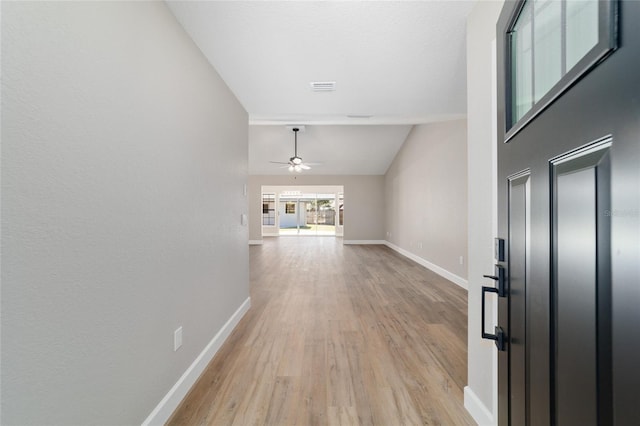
<point>255,242</point>
<point>165,408</point>
<point>477,409</point>
<point>435,268</point>
<point>381,242</point>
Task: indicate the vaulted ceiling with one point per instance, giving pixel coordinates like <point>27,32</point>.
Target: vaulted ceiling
<point>394,64</point>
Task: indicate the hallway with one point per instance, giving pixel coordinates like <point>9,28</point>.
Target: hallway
<point>338,335</point>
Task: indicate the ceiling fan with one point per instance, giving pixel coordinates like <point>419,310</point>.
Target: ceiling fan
<point>295,163</point>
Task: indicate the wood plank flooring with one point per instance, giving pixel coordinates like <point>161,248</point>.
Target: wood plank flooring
<point>338,335</point>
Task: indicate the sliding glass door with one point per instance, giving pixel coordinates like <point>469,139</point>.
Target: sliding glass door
<point>307,214</point>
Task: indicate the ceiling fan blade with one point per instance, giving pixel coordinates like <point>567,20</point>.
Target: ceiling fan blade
<point>278,162</point>
<point>304,166</point>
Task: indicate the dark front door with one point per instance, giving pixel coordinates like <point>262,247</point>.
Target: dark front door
<point>569,212</point>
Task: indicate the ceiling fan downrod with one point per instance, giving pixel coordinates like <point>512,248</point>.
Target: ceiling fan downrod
<point>295,148</point>
<point>295,160</point>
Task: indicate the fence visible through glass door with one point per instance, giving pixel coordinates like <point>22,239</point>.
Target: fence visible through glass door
<point>307,214</point>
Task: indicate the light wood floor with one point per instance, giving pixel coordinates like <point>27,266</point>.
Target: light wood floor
<point>338,335</point>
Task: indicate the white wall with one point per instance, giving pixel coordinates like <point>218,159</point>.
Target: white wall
<point>426,195</point>
<point>481,31</point>
<point>363,200</point>
<point>123,162</point>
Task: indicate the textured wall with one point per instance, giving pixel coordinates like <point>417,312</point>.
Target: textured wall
<point>363,200</point>
<point>123,161</point>
<point>426,195</point>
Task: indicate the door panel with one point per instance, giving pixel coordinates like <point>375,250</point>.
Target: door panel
<point>519,234</point>
<point>581,286</point>
<point>578,322</point>
<point>576,298</point>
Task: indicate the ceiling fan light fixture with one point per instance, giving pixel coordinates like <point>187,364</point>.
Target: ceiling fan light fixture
<point>295,163</point>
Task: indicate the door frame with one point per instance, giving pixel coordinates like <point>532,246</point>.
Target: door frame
<point>278,190</point>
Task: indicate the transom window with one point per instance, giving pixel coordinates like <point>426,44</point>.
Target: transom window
<point>551,44</point>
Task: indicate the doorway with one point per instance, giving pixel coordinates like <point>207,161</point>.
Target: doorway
<point>307,214</point>
<point>303,211</point>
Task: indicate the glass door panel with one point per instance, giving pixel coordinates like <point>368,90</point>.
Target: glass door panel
<point>552,44</point>
<point>307,209</point>
<point>522,54</point>
<point>288,214</point>
<point>307,214</point>
<point>340,215</point>
<point>582,29</point>
<point>325,214</point>
<point>547,45</point>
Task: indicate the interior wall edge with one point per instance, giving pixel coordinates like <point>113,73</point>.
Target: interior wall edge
<point>165,408</point>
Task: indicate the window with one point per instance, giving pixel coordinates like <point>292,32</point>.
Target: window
<point>290,208</point>
<point>553,43</point>
<point>269,209</point>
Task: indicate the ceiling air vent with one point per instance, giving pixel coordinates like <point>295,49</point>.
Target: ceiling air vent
<point>323,86</point>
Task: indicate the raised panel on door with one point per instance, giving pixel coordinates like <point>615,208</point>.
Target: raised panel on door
<point>519,236</point>
<point>582,285</point>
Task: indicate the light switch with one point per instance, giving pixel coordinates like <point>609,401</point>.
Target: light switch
<point>177,338</point>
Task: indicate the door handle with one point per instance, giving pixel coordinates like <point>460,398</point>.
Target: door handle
<point>501,280</point>
<point>499,336</point>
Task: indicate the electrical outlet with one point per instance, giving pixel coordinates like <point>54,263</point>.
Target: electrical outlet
<point>462,260</point>
<point>177,338</point>
<point>420,245</point>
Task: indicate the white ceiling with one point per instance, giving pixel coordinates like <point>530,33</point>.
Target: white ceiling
<point>400,62</point>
